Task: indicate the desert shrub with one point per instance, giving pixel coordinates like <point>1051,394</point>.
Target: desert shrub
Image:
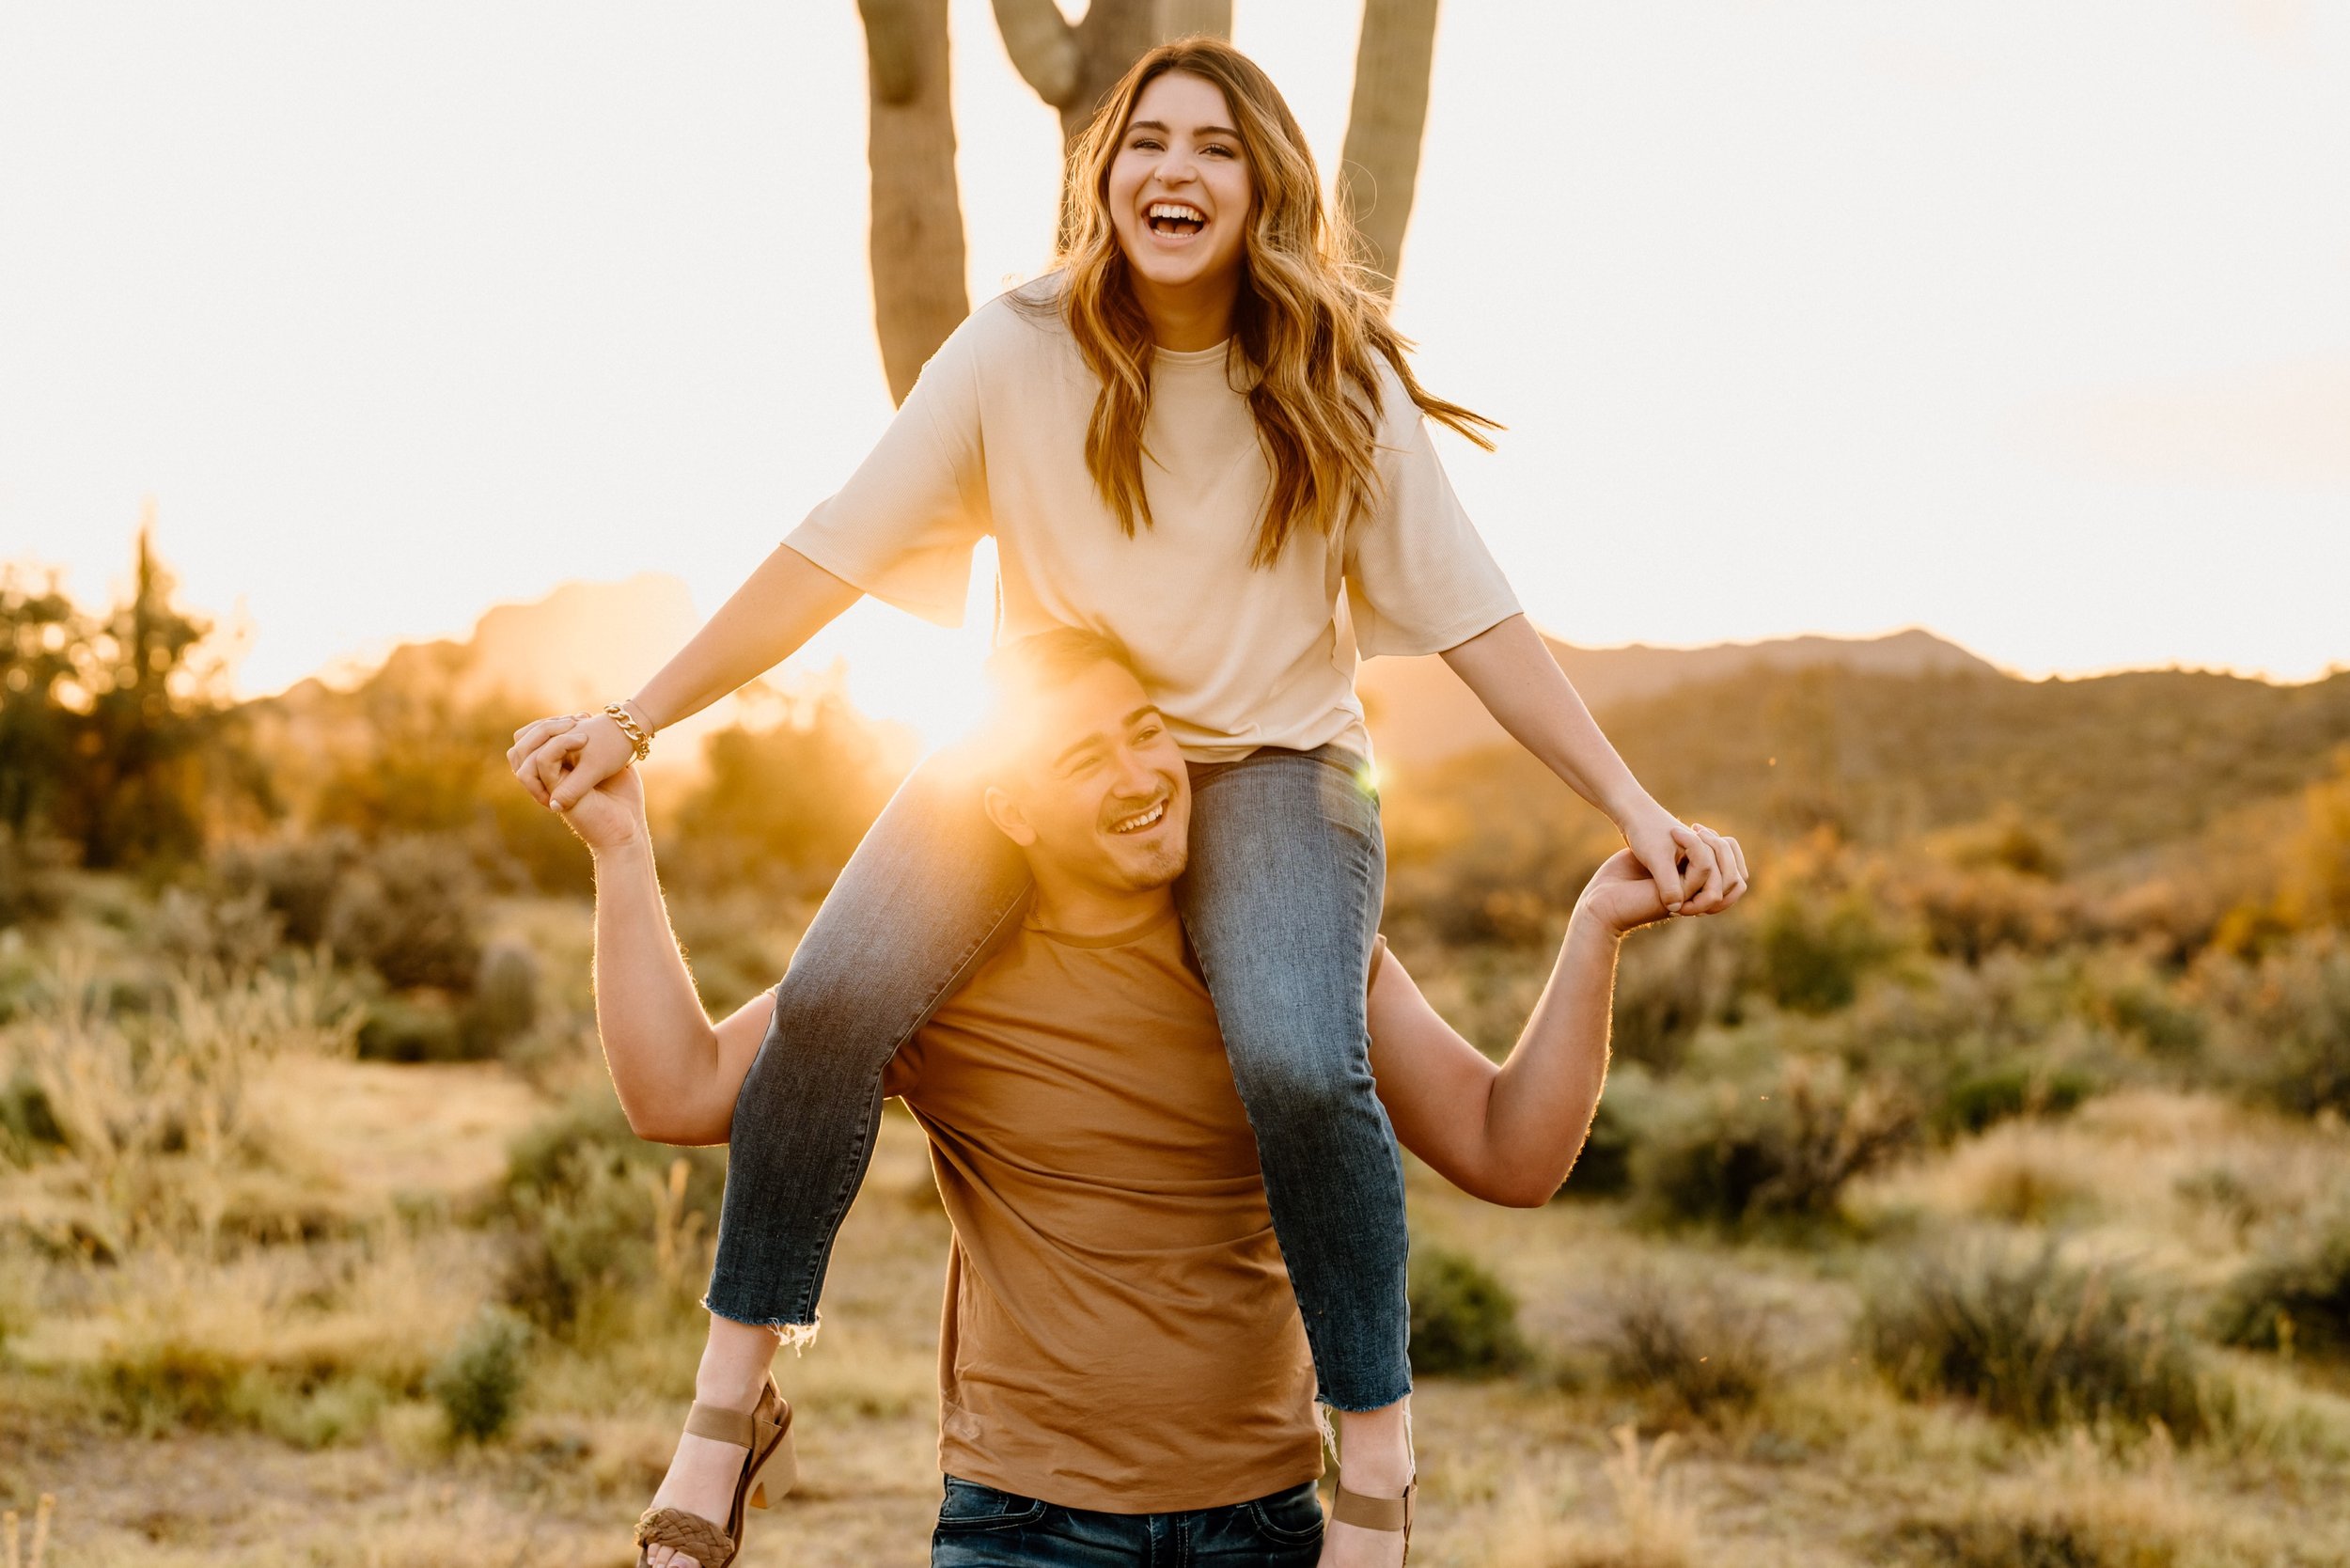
<point>235,932</point>
<point>409,912</point>
<point>2037,1339</point>
<point>1465,1321</point>
<point>781,808</point>
<point>27,1125</point>
<point>2296,1295</point>
<point>2293,1025</point>
<point>1987,1096</point>
<point>479,1382</point>
<point>504,1000</point>
<point>732,945</point>
<point>1603,1168</point>
<point>1813,944</point>
<point>420,1026</point>
<point>596,1212</point>
<point>1735,1155</point>
<point>1970,914</point>
<point>1696,1353</point>
<point>1671,983</point>
<point>2042,1532</point>
<point>32,877</point>
<point>153,1112</point>
<point>295,876</point>
<point>2146,1012</point>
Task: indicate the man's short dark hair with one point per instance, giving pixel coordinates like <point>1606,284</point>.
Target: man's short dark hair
<point>1022,672</point>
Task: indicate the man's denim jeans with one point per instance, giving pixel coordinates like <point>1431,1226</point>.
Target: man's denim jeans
<point>1281,902</point>
<point>981,1528</point>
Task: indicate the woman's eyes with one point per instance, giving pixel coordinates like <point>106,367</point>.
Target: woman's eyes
<point>1151,144</point>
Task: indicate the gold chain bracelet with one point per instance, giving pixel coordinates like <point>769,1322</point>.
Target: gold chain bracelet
<point>639,738</point>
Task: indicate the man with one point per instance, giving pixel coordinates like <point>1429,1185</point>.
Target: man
<point>1122,1368</point>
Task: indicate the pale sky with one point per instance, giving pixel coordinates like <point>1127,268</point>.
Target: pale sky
<point>2030,325</point>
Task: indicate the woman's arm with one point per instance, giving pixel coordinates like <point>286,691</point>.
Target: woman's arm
<point>1514,676</point>
<point>1509,1133</point>
<point>786,601</point>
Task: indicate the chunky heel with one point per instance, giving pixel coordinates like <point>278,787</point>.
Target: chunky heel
<point>770,1466</point>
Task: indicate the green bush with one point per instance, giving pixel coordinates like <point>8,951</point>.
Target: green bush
<point>1464,1322</point>
<point>1812,947</point>
<point>32,877</point>
<point>418,1028</point>
<point>236,933</point>
<point>2037,1339</point>
<point>504,1001</point>
<point>479,1382</point>
<point>1603,1168</point>
<point>596,1212</point>
<point>1695,1353</point>
<point>2297,1297</point>
<point>409,912</point>
<point>296,876</point>
<point>1979,1099</point>
<point>2296,1025</point>
<point>1670,984</point>
<point>1737,1156</point>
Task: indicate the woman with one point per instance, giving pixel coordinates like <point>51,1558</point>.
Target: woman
<point>1199,435</point>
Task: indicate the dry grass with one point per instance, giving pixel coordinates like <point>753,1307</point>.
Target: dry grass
<point>268,1330</point>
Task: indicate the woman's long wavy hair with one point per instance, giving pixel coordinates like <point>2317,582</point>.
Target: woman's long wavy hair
<point>1308,323</point>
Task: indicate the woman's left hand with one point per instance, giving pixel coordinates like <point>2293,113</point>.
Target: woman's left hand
<point>1683,861</point>
<point>1623,896</point>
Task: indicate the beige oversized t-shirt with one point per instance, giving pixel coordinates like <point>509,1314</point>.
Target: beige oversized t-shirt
<point>991,441</point>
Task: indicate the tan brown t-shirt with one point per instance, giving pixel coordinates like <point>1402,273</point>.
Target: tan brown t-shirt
<point>1120,1333</point>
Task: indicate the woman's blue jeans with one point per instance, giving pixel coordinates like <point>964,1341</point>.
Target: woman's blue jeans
<point>1281,901</point>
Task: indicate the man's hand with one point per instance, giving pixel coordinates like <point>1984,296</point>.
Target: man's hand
<point>559,760</point>
<point>1624,896</point>
<point>611,816</point>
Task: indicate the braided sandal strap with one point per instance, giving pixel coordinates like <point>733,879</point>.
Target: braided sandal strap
<point>690,1534</point>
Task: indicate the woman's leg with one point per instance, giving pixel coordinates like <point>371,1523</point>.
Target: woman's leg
<point>1281,901</point>
<point>917,908</point>
<point>914,910</point>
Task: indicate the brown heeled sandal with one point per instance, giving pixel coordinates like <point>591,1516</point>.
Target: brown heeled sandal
<point>770,1466</point>
<point>1384,1513</point>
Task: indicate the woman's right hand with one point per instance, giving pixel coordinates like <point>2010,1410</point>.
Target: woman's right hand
<point>559,759</point>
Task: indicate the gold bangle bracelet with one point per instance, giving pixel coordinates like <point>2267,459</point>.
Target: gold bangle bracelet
<point>639,738</point>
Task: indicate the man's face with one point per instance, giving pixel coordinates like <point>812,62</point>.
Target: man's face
<point>1096,791</point>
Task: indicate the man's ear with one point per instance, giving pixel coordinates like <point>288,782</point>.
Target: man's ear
<point>1005,814</point>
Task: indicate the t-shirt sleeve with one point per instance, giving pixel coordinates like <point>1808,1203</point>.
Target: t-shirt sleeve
<point>902,527</point>
<point>1419,579</point>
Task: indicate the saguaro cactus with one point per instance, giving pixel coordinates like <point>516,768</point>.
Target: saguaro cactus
<point>1380,165</point>
<point>916,236</point>
<point>1073,65</point>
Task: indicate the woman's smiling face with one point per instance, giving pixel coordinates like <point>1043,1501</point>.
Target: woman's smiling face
<point>1180,195</point>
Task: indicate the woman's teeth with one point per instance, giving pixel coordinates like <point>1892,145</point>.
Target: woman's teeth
<point>1175,217</point>
<point>1140,819</point>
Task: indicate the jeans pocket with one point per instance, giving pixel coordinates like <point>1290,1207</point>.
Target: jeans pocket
<point>968,1507</point>
<point>1291,1518</point>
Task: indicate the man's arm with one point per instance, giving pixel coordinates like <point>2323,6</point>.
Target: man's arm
<point>677,1073</point>
<point>1509,1132</point>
